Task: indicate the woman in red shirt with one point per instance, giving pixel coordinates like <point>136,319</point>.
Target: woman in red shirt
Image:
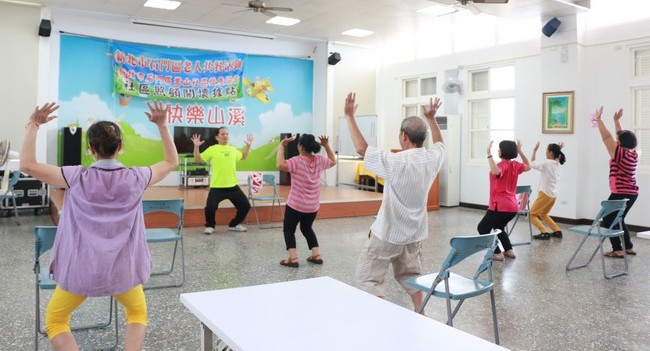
<point>503,204</point>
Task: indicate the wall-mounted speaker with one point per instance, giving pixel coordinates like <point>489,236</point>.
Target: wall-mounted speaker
<point>334,58</point>
<point>45,28</point>
<point>551,26</point>
<point>71,146</point>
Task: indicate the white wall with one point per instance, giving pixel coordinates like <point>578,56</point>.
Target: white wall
<point>598,69</point>
<point>18,69</point>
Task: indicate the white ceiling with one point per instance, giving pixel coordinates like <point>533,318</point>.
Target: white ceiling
<point>320,19</point>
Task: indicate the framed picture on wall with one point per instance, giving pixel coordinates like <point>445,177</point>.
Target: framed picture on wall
<point>557,113</point>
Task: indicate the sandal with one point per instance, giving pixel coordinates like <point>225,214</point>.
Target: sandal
<point>631,252</point>
<point>290,262</point>
<point>315,259</point>
<point>614,254</point>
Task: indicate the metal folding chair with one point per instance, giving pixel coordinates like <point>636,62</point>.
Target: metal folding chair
<point>457,287</point>
<point>176,208</point>
<point>523,193</point>
<point>43,242</point>
<point>8,193</point>
<point>596,231</point>
<point>268,180</point>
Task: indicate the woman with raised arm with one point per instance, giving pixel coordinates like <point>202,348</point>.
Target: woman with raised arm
<point>503,205</point>
<point>550,169</point>
<point>303,201</point>
<point>623,160</point>
<point>100,247</point>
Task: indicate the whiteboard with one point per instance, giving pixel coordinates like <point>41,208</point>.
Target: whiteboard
<point>368,127</point>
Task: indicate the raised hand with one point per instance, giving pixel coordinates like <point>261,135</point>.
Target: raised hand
<point>618,114</point>
<point>286,141</point>
<point>519,145</point>
<point>350,105</point>
<point>324,140</point>
<point>536,146</point>
<point>196,140</point>
<point>430,111</point>
<point>42,115</point>
<point>489,148</point>
<point>249,139</point>
<point>561,145</point>
<point>598,114</point>
<point>157,114</point>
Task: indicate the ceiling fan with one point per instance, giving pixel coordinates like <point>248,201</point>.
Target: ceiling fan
<point>465,2</point>
<point>259,6</point>
<point>469,4</point>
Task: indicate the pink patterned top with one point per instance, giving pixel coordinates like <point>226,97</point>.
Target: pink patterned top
<point>304,195</point>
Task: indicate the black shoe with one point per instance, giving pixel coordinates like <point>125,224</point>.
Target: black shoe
<point>542,236</point>
<point>557,234</point>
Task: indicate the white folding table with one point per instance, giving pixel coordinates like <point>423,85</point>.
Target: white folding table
<point>318,314</point>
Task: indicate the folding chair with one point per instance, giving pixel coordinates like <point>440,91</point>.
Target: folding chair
<point>8,193</point>
<point>176,208</point>
<point>596,231</point>
<point>523,193</point>
<point>43,242</point>
<point>267,179</point>
<point>457,287</point>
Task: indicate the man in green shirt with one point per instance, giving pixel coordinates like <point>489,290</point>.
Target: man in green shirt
<point>223,158</point>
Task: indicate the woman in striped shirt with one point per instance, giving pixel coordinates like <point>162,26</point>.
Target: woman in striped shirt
<point>622,176</point>
<point>303,201</point>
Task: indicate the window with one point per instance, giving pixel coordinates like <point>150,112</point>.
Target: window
<point>491,109</point>
<point>640,85</point>
<point>416,92</point>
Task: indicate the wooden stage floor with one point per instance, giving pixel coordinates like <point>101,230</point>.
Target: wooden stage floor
<point>336,202</point>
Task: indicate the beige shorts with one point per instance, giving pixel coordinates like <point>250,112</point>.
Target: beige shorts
<point>376,257</point>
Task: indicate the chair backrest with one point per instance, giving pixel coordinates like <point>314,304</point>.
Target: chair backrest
<point>608,207</point>
<point>523,193</point>
<point>269,179</point>
<point>174,206</point>
<point>463,247</point>
<point>255,183</point>
<point>43,240</point>
<point>8,183</point>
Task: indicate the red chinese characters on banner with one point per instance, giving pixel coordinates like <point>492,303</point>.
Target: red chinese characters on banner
<point>195,114</point>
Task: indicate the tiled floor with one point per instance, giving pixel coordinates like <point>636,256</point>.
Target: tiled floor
<point>539,305</point>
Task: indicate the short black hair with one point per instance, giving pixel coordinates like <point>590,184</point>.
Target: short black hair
<point>508,149</point>
<point>309,143</point>
<point>627,139</point>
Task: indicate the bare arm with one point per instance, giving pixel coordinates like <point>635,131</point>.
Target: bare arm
<point>196,140</point>
<point>280,162</point>
<point>608,140</point>
<point>158,115</point>
<point>247,148</point>
<point>523,156</point>
<point>430,114</point>
<point>360,144</point>
<point>532,157</point>
<point>494,170</point>
<point>325,142</point>
<point>46,173</point>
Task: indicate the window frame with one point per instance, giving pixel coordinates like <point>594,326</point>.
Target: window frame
<point>640,83</point>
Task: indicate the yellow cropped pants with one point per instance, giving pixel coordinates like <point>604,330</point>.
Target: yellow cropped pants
<point>539,212</point>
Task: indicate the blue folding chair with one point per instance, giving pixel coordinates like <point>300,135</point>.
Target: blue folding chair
<point>176,208</point>
<point>596,231</point>
<point>43,242</point>
<point>269,180</point>
<point>8,185</point>
<point>523,193</point>
<point>457,287</point>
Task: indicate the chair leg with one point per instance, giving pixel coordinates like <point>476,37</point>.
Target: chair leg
<point>257,219</point>
<point>568,266</point>
<point>602,259</point>
<point>494,318</point>
<point>13,200</point>
<point>177,284</point>
<point>511,230</point>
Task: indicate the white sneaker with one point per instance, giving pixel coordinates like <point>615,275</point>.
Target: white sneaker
<point>208,230</point>
<point>237,228</point>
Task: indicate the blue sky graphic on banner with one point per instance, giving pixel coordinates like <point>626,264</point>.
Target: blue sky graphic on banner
<point>277,98</point>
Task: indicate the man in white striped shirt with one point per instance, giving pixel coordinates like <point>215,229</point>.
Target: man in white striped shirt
<point>402,222</point>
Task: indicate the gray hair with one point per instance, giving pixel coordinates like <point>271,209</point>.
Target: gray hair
<point>415,129</point>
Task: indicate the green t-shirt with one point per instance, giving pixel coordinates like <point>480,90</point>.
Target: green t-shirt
<point>222,160</point>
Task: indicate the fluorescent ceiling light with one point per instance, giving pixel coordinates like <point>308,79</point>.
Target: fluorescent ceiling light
<point>359,33</point>
<point>163,4</point>
<point>437,10</point>
<point>283,21</point>
<point>187,26</point>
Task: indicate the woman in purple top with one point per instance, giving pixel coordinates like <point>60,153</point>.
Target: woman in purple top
<point>623,160</point>
<point>100,247</point>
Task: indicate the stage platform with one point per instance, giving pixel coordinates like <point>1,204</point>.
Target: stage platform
<point>336,202</point>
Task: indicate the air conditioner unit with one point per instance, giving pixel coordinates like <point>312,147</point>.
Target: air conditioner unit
<point>449,175</point>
